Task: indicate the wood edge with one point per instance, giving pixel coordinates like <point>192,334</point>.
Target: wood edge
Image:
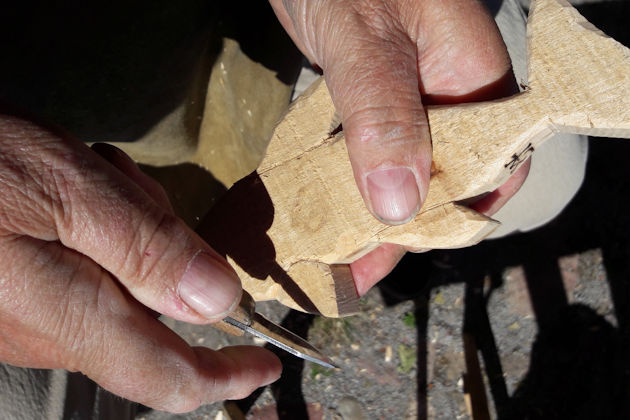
<point>346,293</point>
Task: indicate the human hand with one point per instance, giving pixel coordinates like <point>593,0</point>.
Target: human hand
<point>382,61</point>
<point>89,248</point>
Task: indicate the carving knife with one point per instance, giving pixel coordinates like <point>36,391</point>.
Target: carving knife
<point>246,319</point>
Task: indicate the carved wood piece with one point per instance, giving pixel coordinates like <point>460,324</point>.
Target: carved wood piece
<point>303,214</point>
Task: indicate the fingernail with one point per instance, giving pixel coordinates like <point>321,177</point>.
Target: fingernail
<point>394,195</point>
<point>209,287</point>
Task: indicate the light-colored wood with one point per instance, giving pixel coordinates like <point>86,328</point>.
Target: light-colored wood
<point>313,216</point>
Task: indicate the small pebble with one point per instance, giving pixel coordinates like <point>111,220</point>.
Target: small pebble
<point>439,299</point>
<point>388,354</point>
<point>351,409</point>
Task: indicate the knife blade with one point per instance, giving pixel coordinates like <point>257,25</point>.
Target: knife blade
<point>246,319</point>
<point>261,327</point>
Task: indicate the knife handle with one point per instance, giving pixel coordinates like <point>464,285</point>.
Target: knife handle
<point>243,314</point>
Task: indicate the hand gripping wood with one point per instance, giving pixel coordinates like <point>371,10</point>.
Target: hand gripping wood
<point>290,228</point>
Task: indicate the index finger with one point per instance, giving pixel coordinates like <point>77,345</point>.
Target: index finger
<point>86,323</point>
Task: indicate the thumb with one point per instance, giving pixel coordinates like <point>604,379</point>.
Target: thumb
<point>191,293</point>
<point>371,70</point>
<point>373,80</point>
<point>160,260</point>
<point>101,213</point>
<point>385,126</point>
<point>370,66</point>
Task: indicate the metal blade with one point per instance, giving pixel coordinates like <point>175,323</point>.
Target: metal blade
<point>263,328</point>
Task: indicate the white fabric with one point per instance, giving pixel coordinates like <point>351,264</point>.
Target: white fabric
<point>558,165</point>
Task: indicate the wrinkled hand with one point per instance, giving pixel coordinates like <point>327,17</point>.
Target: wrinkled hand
<point>382,59</point>
<point>87,247</point>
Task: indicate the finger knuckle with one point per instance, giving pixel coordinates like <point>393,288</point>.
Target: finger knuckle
<point>383,127</point>
<point>78,328</point>
<point>157,239</point>
<point>382,17</point>
<point>28,196</point>
<point>189,391</point>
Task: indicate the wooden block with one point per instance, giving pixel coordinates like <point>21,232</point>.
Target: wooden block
<point>289,228</point>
